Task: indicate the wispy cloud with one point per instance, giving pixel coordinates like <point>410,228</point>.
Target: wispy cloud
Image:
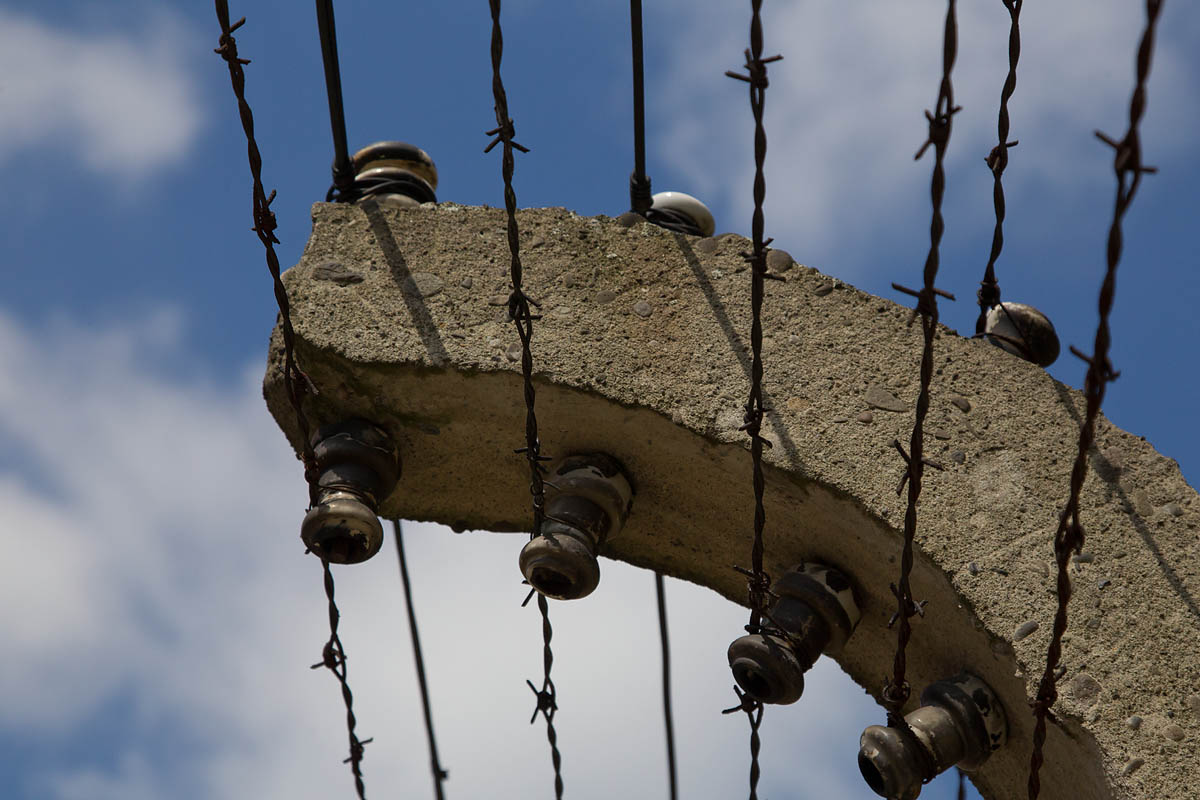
<point>120,103</point>
<point>844,108</point>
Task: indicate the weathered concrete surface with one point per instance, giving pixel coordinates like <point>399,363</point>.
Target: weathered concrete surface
<point>641,354</point>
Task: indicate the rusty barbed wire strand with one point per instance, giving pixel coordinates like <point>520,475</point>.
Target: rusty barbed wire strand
<point>296,383</point>
<point>754,713</point>
<point>1069,537</point>
<point>668,717</point>
<point>295,380</point>
<point>997,161</point>
<point>523,318</point>
<point>758,582</point>
<point>547,696</point>
<point>435,764</point>
<point>896,690</point>
<point>333,658</point>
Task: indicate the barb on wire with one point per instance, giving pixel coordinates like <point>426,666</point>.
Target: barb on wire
<point>1069,537</point>
<point>997,161</point>
<point>754,713</point>
<point>523,318</point>
<point>333,658</point>
<point>756,67</point>
<point>547,696</point>
<point>296,383</point>
<point>343,189</point>
<point>435,764</point>
<point>896,690</point>
<point>668,717</point>
<point>758,582</point>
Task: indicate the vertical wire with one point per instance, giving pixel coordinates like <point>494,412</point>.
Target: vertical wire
<point>343,170</point>
<point>439,774</point>
<point>521,315</point>
<point>759,583</point>
<point>1069,537</point>
<point>668,717</point>
<point>896,692</point>
<point>639,182</point>
<point>997,161</point>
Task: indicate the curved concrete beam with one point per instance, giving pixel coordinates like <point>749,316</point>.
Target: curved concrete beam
<point>641,354</point>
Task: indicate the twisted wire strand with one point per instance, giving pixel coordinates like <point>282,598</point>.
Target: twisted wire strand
<point>523,318</point>
<point>435,764</point>
<point>997,161</point>
<point>1069,537</point>
<point>759,583</point>
<point>333,658</point>
<point>896,691</point>
<point>296,383</point>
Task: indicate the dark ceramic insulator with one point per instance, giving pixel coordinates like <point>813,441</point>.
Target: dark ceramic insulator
<point>817,610</point>
<point>588,498</point>
<point>359,466</point>
<point>395,174</point>
<point>960,723</point>
<point>1023,331</point>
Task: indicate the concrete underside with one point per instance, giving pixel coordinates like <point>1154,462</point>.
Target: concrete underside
<point>643,354</point>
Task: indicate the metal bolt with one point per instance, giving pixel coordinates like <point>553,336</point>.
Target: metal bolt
<point>1023,331</point>
<point>359,466</point>
<point>817,612</point>
<point>695,215</point>
<point>960,722</point>
<point>395,174</point>
<point>588,498</point>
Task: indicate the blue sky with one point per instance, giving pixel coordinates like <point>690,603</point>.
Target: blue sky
<point>162,615</point>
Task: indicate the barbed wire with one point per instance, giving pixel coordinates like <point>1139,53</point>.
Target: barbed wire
<point>523,318</point>
<point>333,658</point>
<point>896,690</point>
<point>997,161</point>
<point>296,382</point>
<point>435,764</point>
<point>1069,537</point>
<point>758,581</point>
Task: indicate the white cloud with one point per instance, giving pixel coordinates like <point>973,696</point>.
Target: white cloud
<point>843,112</point>
<point>122,103</point>
<point>152,549</point>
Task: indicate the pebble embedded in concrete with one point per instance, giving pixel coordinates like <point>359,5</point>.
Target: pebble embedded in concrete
<point>606,296</point>
<point>866,417</point>
<point>1024,629</point>
<point>1174,733</point>
<point>823,289</point>
<point>779,260</point>
<point>1134,722</point>
<point>961,403</point>
<point>1132,766</point>
<point>1173,509</point>
<point>881,398</point>
<point>467,282</point>
<point>425,284</point>
<point>958,457</point>
<point>513,353</point>
<point>642,308</point>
